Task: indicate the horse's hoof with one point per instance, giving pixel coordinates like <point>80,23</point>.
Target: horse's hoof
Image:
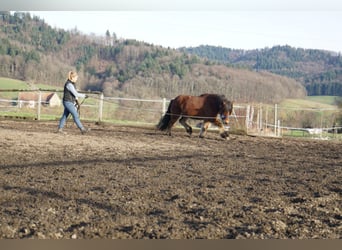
<point>225,135</point>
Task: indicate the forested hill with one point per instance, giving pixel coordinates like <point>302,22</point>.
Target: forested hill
<point>33,51</point>
<point>319,71</point>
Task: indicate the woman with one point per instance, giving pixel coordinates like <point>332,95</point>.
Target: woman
<point>70,98</point>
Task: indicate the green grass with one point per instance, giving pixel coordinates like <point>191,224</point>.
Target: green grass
<point>330,100</point>
<point>310,102</point>
<point>48,87</point>
<point>305,134</point>
<point>7,83</point>
<point>11,84</point>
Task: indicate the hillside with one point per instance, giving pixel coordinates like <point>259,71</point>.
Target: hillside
<point>32,51</point>
<point>319,71</point>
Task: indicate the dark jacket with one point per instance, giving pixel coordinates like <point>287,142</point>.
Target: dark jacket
<point>68,96</point>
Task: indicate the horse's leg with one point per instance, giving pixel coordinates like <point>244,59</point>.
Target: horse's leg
<point>173,120</point>
<point>187,127</point>
<point>222,131</point>
<point>204,128</point>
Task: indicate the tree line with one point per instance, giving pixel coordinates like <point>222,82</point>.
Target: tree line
<point>318,70</point>
<point>33,51</point>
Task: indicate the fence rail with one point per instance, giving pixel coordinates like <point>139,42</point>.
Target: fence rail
<point>256,119</point>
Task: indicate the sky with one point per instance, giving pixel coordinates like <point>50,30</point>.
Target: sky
<point>236,24</point>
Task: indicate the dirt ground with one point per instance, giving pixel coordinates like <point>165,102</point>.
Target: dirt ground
<point>132,182</point>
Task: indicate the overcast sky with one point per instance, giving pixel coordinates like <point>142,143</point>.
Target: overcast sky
<point>237,24</point>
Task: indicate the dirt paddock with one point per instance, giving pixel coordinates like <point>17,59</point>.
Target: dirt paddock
<point>134,182</point>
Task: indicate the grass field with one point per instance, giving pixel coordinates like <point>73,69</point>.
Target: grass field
<point>319,102</point>
<point>330,100</point>
<point>13,84</point>
<point>7,83</point>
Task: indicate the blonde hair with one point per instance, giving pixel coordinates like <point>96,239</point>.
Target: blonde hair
<point>72,76</point>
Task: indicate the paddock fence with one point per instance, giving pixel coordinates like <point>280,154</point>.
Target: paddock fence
<point>253,119</point>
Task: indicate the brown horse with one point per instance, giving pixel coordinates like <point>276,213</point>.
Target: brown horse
<point>211,108</point>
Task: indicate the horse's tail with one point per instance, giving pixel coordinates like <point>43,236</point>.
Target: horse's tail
<point>165,120</point>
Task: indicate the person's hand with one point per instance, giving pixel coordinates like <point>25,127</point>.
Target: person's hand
<point>77,104</point>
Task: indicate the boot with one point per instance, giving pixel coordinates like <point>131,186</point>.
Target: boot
<point>60,131</point>
<point>85,130</point>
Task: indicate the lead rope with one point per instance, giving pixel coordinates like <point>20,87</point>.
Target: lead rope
<point>78,107</point>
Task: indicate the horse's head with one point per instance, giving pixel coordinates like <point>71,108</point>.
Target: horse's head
<point>226,110</point>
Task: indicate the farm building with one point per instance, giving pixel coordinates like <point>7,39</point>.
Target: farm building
<point>29,99</point>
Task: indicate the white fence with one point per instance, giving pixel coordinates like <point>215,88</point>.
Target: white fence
<point>278,120</point>
<point>256,119</point>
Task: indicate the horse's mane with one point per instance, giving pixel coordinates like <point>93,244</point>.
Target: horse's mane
<point>221,97</point>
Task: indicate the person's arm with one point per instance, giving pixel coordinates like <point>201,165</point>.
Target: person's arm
<point>72,89</point>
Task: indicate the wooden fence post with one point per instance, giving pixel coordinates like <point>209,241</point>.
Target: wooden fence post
<point>261,125</point>
<point>100,107</point>
<point>275,118</point>
<point>164,106</point>
<point>248,107</point>
<point>39,104</point>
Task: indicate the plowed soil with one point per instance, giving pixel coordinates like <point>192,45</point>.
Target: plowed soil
<point>126,182</point>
